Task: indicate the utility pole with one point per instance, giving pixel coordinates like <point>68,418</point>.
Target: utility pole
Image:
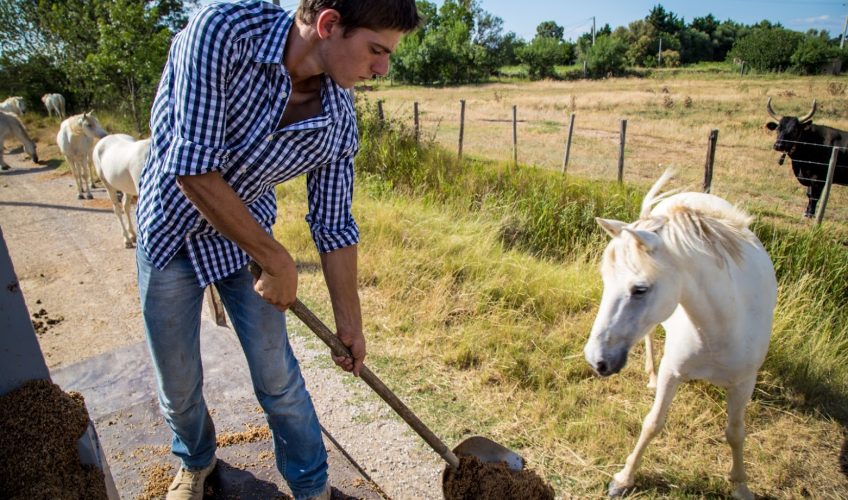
<point>844,28</point>
<point>593,31</point>
<point>659,54</point>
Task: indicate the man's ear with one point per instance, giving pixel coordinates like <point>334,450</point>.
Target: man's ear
<point>328,21</point>
<point>771,125</point>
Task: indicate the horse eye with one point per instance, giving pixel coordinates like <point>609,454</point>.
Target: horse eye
<point>639,290</point>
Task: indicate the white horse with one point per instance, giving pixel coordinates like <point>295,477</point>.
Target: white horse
<point>15,105</point>
<point>118,159</point>
<point>693,265</point>
<point>54,103</point>
<point>76,139</point>
<point>10,125</point>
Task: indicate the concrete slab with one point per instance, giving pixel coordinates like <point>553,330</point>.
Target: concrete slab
<point>119,390</point>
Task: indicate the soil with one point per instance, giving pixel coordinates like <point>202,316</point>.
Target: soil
<point>80,281</point>
<point>38,446</point>
<point>476,480</point>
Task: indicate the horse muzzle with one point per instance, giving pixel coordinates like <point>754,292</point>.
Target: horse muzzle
<point>608,362</point>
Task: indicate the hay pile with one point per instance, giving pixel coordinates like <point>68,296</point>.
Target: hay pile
<point>38,446</point>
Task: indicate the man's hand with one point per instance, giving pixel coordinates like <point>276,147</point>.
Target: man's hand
<point>355,341</point>
<point>278,283</point>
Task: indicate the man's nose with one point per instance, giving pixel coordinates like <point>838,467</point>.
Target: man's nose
<point>381,67</point>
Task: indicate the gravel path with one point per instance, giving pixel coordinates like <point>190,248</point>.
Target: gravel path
<point>80,282</point>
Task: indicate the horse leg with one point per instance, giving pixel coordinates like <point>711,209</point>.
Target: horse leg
<point>92,175</point>
<point>652,425</point>
<point>3,165</point>
<point>85,177</point>
<point>650,368</point>
<point>127,202</point>
<point>76,171</point>
<point>737,399</point>
<point>119,212</point>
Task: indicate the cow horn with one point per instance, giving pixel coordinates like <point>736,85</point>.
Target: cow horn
<point>809,116</point>
<point>771,111</point>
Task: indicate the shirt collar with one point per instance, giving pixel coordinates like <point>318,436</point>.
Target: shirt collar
<point>272,46</point>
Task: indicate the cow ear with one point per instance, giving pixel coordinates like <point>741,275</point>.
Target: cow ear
<point>771,126</point>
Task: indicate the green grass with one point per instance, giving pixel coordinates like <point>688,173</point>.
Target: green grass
<point>479,285</point>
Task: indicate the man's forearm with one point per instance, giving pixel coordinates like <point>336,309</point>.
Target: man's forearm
<point>340,273</point>
<point>220,205</point>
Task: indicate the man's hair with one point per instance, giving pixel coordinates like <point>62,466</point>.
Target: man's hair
<point>400,15</point>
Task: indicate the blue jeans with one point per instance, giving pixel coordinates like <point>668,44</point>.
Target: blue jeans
<point>171,301</point>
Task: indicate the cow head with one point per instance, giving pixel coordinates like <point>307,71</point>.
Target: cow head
<point>789,128</point>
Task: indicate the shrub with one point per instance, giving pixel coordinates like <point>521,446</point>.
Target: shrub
<point>606,56</point>
<point>812,53</point>
<point>767,49</point>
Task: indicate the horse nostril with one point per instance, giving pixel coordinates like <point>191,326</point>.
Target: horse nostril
<point>601,367</point>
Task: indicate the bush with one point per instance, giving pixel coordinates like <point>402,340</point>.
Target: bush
<point>767,49</point>
<point>540,56</point>
<point>812,53</point>
<point>607,56</point>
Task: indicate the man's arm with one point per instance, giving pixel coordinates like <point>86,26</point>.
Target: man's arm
<point>339,268</point>
<point>219,204</point>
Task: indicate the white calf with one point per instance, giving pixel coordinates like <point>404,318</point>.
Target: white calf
<point>54,103</point>
<point>118,159</point>
<point>14,105</point>
<point>10,125</point>
<point>76,139</point>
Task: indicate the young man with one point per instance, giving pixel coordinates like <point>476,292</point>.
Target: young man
<point>252,96</point>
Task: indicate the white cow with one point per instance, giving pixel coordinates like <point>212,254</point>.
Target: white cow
<point>14,105</point>
<point>10,125</point>
<point>76,139</point>
<point>118,159</point>
<point>54,103</point>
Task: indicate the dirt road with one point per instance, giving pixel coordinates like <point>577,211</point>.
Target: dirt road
<point>79,283</point>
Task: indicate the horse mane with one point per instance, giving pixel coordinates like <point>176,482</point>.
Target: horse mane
<point>690,223</point>
<point>76,129</point>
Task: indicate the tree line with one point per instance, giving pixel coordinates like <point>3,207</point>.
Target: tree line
<point>110,53</point>
<point>460,43</point>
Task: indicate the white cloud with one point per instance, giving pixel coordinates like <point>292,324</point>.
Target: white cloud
<point>812,20</point>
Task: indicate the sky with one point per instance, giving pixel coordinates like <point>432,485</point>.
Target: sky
<point>522,16</point>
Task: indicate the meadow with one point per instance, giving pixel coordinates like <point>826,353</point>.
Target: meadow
<point>479,280</point>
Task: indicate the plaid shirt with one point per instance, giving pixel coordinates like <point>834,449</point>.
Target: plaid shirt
<point>219,103</point>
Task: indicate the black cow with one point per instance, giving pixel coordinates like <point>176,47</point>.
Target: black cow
<point>810,146</point>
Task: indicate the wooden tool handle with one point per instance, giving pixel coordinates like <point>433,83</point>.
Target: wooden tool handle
<point>339,349</point>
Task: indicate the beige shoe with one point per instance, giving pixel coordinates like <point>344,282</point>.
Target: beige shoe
<point>188,485</point>
<point>324,495</point>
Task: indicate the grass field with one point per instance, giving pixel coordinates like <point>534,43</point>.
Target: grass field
<point>669,115</point>
<point>480,283</point>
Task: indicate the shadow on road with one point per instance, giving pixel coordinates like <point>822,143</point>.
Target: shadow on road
<point>57,207</point>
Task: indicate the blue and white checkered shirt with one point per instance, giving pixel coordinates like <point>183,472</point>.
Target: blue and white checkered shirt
<point>219,103</point>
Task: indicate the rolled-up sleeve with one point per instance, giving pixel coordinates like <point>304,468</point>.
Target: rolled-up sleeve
<point>330,191</point>
<point>200,58</point>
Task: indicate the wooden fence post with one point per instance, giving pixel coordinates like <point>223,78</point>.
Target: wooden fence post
<point>380,114</point>
<point>415,120</point>
<point>461,124</point>
<point>621,151</point>
<point>708,166</point>
<point>515,135</point>
<point>826,193</point>
<point>568,143</point>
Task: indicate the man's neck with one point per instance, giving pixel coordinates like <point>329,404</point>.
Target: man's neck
<point>301,57</point>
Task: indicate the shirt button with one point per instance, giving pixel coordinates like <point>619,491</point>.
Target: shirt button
<point>284,94</point>
<point>270,137</point>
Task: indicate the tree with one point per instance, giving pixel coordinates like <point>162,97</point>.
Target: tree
<point>607,56</point>
<point>812,53</point>
<point>541,56</point>
<point>550,29</point>
<point>767,49</point>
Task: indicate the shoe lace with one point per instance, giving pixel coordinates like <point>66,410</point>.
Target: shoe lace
<point>189,478</point>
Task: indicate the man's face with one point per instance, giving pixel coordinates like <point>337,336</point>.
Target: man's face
<point>358,55</point>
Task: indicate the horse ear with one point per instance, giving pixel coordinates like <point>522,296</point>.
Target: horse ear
<point>612,227</point>
<point>646,239</point>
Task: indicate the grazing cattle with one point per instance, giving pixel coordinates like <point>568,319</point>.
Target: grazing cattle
<point>54,103</point>
<point>118,159</point>
<point>809,147</point>
<point>691,263</point>
<point>10,125</point>
<point>76,139</point>
<point>14,105</point>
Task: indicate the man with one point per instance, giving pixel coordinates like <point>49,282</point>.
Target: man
<point>250,97</point>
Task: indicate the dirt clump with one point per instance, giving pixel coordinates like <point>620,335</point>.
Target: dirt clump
<point>38,446</point>
<point>474,480</point>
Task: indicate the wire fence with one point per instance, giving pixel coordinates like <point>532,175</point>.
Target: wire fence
<point>497,148</point>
